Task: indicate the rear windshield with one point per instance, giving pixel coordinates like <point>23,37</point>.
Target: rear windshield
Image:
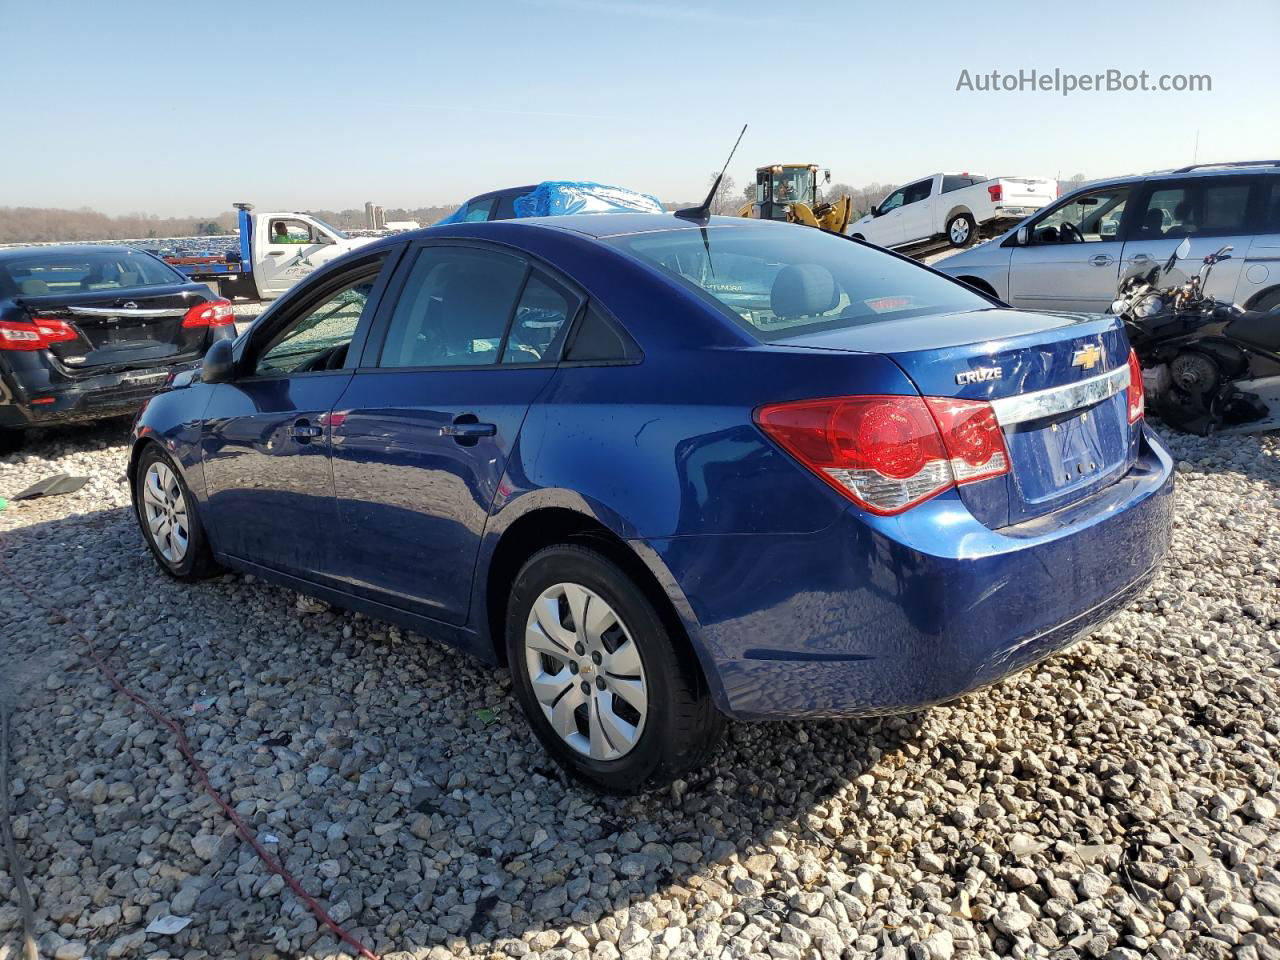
<point>775,282</point>
<point>49,272</point>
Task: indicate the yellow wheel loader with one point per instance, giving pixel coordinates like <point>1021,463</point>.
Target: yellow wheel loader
<point>789,191</point>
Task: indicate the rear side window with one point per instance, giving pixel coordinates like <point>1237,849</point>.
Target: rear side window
<point>958,182</point>
<point>1271,205</point>
<point>541,318</point>
<point>454,308</point>
<point>775,282</point>
<point>1194,208</point>
<point>918,191</point>
<point>479,210</point>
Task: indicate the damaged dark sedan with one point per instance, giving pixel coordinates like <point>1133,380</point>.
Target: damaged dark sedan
<point>88,332</point>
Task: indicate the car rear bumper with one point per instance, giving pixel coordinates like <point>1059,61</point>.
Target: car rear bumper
<point>886,615</point>
<point>32,398</point>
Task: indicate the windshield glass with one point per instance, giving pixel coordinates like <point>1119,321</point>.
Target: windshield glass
<point>777,282</point>
<point>793,185</point>
<point>328,226</point>
<point>53,271</point>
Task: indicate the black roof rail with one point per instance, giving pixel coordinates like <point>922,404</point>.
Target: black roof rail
<point>1234,163</point>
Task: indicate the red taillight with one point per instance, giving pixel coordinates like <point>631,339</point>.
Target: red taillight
<point>54,330</point>
<point>996,190</point>
<point>20,336</point>
<point>973,437</point>
<point>1137,395</point>
<point>215,313</point>
<point>888,454</point>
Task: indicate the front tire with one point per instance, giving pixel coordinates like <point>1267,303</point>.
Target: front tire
<point>961,229</point>
<point>167,517</point>
<point>615,698</point>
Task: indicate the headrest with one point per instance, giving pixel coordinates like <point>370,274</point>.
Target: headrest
<point>803,290</point>
<point>34,287</point>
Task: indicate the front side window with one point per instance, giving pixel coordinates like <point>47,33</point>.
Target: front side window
<point>319,338</point>
<point>775,283</point>
<point>1088,218</point>
<point>292,231</point>
<point>893,201</point>
<point>454,308</point>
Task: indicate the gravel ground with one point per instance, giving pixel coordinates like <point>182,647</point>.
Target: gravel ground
<point>1118,801</point>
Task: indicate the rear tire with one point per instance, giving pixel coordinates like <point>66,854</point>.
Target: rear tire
<point>961,230</point>
<point>615,698</point>
<point>167,517</point>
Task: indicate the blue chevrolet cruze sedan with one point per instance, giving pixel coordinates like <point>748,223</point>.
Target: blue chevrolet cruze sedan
<point>670,472</point>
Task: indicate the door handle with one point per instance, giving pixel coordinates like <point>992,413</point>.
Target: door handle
<point>468,430</point>
<point>1101,260</point>
<point>275,253</point>
<point>304,431</point>
<point>1141,258</point>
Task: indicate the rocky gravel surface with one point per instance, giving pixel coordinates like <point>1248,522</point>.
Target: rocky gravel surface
<point>1118,801</point>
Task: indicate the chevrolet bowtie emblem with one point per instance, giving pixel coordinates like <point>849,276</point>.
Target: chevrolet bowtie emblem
<point>1087,357</point>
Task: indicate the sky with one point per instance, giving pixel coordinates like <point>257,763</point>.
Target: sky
<point>173,109</point>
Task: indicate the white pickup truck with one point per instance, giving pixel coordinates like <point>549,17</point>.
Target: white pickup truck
<point>276,250</point>
<point>954,207</point>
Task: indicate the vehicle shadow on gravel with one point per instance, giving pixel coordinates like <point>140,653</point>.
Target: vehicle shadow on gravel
<point>396,778</point>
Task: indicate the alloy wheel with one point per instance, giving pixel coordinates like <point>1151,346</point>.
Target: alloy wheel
<point>959,231</point>
<point>165,511</point>
<point>585,670</point>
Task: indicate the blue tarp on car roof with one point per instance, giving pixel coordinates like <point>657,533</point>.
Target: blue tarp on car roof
<point>554,198</point>
<point>561,197</point>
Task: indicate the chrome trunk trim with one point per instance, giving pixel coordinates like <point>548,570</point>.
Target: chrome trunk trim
<point>1056,400</point>
<point>123,312</point>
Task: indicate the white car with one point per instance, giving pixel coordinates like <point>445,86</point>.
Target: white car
<point>1073,255</point>
<point>954,207</point>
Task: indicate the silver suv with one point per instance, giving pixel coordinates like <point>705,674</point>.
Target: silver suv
<point>1072,254</point>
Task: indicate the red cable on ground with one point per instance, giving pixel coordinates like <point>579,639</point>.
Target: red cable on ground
<point>241,827</point>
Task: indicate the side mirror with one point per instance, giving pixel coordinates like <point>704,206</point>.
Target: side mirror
<point>1184,249</point>
<point>219,363</point>
<point>1022,236</point>
<point>875,210</point>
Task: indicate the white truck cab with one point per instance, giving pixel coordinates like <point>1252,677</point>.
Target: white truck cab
<point>277,249</point>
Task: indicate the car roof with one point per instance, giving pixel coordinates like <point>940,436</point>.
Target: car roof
<point>598,226</point>
<point>1196,172</point>
<point>13,253</point>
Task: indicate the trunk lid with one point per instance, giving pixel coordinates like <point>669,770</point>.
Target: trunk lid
<point>123,328</point>
<point>1058,383</point>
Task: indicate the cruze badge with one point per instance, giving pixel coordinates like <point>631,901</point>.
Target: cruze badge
<point>1087,357</point>
<point>979,375</point>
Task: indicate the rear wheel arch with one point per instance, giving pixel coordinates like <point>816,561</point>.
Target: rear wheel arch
<point>548,526</point>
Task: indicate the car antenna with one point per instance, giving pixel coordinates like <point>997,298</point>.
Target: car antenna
<point>702,212</point>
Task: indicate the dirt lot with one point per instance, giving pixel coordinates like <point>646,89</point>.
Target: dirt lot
<point>1117,801</point>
